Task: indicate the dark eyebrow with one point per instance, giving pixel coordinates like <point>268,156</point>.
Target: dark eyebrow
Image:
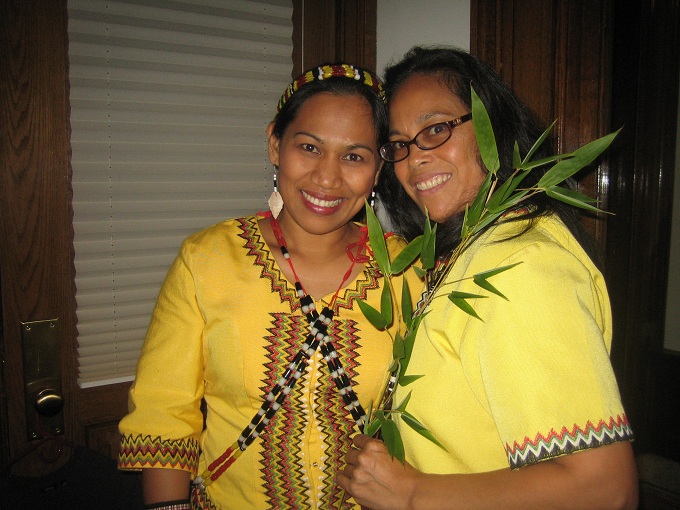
<point>422,119</point>
<point>350,147</point>
<point>360,146</point>
<point>305,133</point>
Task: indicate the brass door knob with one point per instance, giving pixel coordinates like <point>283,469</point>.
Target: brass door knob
<point>49,402</point>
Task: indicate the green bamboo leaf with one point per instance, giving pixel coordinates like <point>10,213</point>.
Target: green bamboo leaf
<point>464,295</point>
<point>476,208</point>
<point>467,224</point>
<point>407,255</point>
<point>398,349</point>
<point>459,299</point>
<point>486,140</point>
<point>498,270</point>
<point>580,158</point>
<point>420,272</point>
<point>529,165</point>
<point>392,439</point>
<point>409,342</point>
<point>386,302</point>
<point>406,304</point>
<point>488,218</point>
<point>427,254</point>
<point>484,284</point>
<point>372,428</point>
<point>373,315</point>
<point>516,158</point>
<point>377,238</point>
<point>405,380</point>
<point>539,142</point>
<point>410,420</point>
<point>481,279</point>
<point>402,405</point>
<point>510,202</point>
<point>504,191</point>
<point>572,197</point>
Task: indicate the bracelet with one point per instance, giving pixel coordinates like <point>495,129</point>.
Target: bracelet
<point>178,504</point>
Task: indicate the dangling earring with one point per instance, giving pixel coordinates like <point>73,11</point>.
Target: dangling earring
<point>275,201</point>
<point>371,200</point>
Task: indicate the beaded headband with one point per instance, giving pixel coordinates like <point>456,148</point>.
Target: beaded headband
<point>333,71</point>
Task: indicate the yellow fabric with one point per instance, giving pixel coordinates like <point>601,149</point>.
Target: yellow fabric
<point>225,327</point>
<point>532,378</point>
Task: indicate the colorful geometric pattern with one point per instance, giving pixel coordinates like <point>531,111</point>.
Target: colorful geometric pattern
<point>284,479</point>
<point>144,451</point>
<point>283,476</point>
<point>200,499</point>
<point>568,441</point>
<point>263,258</point>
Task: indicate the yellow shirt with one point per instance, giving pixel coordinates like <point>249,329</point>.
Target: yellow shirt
<point>530,380</point>
<point>224,329</point>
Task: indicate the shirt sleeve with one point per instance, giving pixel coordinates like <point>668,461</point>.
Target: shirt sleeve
<point>543,357</point>
<point>165,419</point>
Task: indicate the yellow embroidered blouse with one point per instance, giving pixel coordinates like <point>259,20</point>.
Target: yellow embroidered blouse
<point>224,329</point>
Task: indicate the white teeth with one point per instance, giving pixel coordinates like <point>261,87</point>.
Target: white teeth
<point>321,203</point>
<point>435,181</point>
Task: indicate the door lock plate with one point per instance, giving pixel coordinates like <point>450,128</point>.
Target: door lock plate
<point>42,378</point>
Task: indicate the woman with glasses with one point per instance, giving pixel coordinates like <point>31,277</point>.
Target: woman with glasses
<point>523,399</point>
<point>258,323</point>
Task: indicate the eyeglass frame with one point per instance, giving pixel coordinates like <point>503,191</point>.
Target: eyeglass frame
<point>450,124</point>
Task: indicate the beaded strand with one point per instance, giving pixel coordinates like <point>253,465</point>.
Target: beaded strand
<point>318,336</point>
<point>333,71</point>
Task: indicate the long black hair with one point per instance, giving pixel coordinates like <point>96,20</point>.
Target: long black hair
<point>512,122</point>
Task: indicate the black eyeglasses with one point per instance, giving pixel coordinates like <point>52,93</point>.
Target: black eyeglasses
<point>428,138</point>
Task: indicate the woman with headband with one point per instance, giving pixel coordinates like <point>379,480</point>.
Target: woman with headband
<point>258,318</point>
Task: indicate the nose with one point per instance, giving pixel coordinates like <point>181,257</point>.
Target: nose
<point>327,173</point>
<point>417,156</point>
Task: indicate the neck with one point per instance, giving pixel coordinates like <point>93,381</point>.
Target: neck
<point>320,261</point>
<point>321,247</point>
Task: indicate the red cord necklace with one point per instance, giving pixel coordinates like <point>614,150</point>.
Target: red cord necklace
<point>318,337</point>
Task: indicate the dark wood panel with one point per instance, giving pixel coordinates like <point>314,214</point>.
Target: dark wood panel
<point>333,31</point>
<point>555,56</point>
<point>35,195</point>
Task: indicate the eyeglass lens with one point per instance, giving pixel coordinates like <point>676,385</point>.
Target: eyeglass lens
<point>428,138</point>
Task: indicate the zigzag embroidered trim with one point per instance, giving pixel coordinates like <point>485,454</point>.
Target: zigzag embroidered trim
<point>317,338</point>
<point>144,451</point>
<point>568,441</point>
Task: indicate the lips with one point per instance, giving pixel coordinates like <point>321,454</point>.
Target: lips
<point>433,182</point>
<point>320,202</point>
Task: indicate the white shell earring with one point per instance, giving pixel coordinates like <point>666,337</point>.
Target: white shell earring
<point>275,201</point>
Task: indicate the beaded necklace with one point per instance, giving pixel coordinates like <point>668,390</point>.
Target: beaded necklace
<point>317,338</point>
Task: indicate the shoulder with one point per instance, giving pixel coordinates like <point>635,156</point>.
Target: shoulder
<point>547,261</point>
<point>224,239</point>
<point>544,240</point>
<point>222,231</point>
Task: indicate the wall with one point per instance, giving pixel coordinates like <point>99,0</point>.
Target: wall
<point>404,23</point>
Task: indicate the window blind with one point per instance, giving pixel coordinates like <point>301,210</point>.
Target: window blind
<point>169,104</point>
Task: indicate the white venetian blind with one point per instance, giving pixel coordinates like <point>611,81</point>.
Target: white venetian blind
<point>169,104</point>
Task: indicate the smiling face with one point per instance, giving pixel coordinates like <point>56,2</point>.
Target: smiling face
<point>442,180</point>
<point>328,162</point>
